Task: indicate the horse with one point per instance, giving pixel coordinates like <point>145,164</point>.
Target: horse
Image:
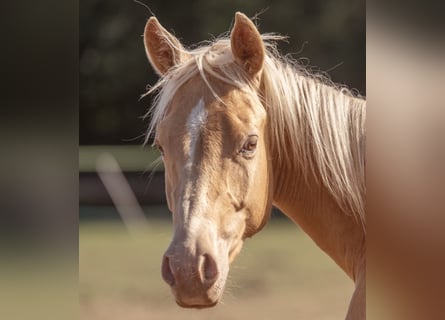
<point>240,129</point>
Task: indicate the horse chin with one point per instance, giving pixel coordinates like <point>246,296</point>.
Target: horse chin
<point>200,301</point>
<point>197,306</point>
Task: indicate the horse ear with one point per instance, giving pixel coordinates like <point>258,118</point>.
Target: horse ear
<point>247,44</point>
<point>162,48</point>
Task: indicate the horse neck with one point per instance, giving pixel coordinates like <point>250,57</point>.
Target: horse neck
<point>314,209</point>
<point>306,200</point>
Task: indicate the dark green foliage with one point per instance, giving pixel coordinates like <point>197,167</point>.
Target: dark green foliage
<point>328,35</point>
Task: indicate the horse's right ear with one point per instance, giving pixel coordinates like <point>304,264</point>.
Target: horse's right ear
<point>162,48</point>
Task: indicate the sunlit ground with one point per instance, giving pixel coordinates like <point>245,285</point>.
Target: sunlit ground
<point>280,274</point>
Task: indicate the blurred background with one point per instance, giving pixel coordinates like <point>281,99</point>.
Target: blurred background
<point>280,271</point>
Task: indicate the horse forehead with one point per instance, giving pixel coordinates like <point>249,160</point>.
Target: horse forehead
<point>196,106</point>
<point>193,107</point>
<point>197,117</point>
<point>227,116</point>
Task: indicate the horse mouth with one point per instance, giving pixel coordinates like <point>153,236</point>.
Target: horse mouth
<point>197,306</point>
<point>198,300</point>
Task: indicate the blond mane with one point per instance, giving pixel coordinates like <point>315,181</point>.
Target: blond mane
<point>315,125</point>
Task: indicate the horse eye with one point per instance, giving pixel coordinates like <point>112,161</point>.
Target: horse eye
<point>249,146</point>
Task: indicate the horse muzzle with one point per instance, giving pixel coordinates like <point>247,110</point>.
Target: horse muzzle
<point>196,277</point>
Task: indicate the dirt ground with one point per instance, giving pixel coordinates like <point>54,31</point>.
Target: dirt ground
<point>279,273</point>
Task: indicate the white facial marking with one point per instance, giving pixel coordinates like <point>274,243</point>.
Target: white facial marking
<point>195,195</point>
<point>195,122</point>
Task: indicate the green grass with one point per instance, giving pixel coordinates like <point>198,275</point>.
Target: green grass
<point>279,272</point>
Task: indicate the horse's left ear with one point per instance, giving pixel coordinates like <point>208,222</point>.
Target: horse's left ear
<point>247,44</point>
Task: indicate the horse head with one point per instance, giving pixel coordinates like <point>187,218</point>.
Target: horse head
<point>212,137</point>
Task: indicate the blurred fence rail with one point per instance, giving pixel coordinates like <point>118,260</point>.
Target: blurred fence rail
<point>129,157</point>
<point>144,174</point>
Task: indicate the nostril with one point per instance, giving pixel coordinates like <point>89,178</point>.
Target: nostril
<point>209,269</point>
<point>167,273</point>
